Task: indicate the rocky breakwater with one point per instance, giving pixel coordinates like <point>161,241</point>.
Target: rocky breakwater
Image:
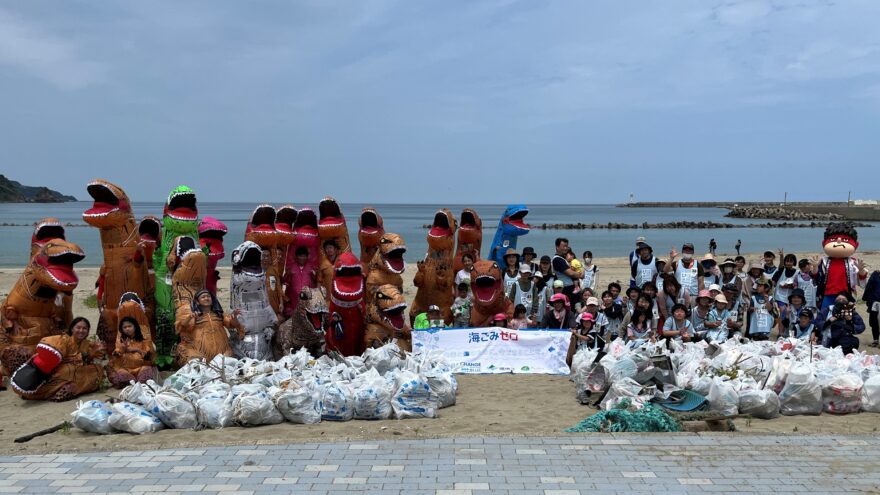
<point>780,213</point>
<point>686,225</point>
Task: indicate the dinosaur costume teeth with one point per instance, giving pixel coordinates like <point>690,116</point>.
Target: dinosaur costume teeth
<point>346,334</point>
<point>510,227</point>
<point>46,230</point>
<point>387,265</point>
<point>261,231</point>
<point>331,226</point>
<point>489,297</point>
<point>306,328</point>
<point>386,320</point>
<point>370,230</point>
<point>470,238</point>
<point>211,234</point>
<point>31,310</point>
<point>435,276</point>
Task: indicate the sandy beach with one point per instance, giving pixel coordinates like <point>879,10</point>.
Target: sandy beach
<point>517,405</point>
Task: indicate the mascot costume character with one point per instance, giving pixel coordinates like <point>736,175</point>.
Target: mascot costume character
<point>470,238</point>
<point>510,227</point>
<point>489,296</point>
<point>386,320</point>
<point>46,230</point>
<point>347,310</point>
<point>838,271</point>
<point>370,230</point>
<point>331,227</point>
<point>435,276</point>
<point>306,328</point>
<point>305,229</point>
<point>261,231</point>
<point>132,359</point>
<point>211,233</point>
<point>387,265</point>
<point>249,295</point>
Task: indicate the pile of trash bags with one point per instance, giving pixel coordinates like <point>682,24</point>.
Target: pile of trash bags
<point>760,379</point>
<point>383,383</point>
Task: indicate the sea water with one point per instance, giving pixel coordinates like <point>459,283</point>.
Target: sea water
<point>408,221</point>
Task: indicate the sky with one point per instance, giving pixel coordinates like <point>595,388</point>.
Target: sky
<point>460,102</point>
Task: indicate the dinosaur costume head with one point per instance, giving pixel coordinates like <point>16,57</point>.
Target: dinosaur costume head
<point>52,267</point>
<point>391,251</point>
<point>189,266</point>
<point>261,226</point>
<point>470,230</point>
<point>180,211</point>
<point>110,205</point>
<point>385,316</point>
<point>131,306</point>
<point>331,223</point>
<point>841,240</point>
<point>150,231</point>
<point>486,283</point>
<point>44,231</point>
<point>441,237</point>
<point>306,228</point>
<point>248,258</point>
<point>370,229</point>
<point>348,280</point>
<point>512,222</point>
<point>313,306</point>
<point>211,233</point>
<point>285,217</point>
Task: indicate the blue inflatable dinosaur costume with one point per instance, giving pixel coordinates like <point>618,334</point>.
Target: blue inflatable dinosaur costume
<point>510,227</point>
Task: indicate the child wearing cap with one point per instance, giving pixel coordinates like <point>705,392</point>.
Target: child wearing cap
<point>762,311</point>
<point>432,318</point>
<point>769,262</point>
<point>803,326</point>
<point>500,320</point>
<point>461,306</point>
<point>716,323</point>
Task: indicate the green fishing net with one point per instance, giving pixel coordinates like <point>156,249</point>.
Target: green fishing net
<point>624,417</point>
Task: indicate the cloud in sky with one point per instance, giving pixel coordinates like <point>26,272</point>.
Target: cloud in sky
<point>443,101</point>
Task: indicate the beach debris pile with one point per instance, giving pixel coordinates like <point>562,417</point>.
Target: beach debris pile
<point>625,417</point>
<point>759,379</point>
<point>382,383</point>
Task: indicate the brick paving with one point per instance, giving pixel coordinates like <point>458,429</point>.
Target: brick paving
<point>563,465</point>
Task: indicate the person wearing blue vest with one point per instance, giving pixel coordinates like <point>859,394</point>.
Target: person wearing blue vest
<point>687,271</point>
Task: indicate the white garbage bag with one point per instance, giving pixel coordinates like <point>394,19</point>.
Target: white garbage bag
<point>252,406</point>
<point>413,397</point>
<point>842,394</point>
<point>337,403</point>
<point>372,397</point>
<point>761,404</point>
<point>626,388</point>
<point>139,393</point>
<point>723,397</point>
<point>444,385</point>
<point>133,418</point>
<point>384,358</point>
<point>93,416</point>
<point>174,409</point>
<point>871,394</point>
<point>298,404</point>
<point>214,406</point>
<point>801,394</point>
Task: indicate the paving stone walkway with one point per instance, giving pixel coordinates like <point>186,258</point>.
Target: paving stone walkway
<point>565,465</point>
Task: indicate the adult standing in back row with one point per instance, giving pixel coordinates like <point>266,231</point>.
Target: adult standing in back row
<point>688,271</point>
<point>563,269</point>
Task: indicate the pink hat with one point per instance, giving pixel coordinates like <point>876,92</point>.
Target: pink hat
<point>500,317</point>
<point>587,316</point>
<point>704,293</point>
<point>558,297</point>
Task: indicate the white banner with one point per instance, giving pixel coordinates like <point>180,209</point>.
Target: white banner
<point>498,350</point>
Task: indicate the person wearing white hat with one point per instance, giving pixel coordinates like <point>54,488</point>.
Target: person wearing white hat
<point>716,322</point>
<point>543,297</point>
<point>524,291</point>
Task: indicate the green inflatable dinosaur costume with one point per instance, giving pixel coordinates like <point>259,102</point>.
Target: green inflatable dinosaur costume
<point>180,218</point>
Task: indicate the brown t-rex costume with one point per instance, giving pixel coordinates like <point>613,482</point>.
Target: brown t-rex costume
<point>31,311</point>
<point>331,226</point>
<point>385,319</point>
<point>44,231</point>
<point>387,265</point>
<point>285,218</point>
<point>370,230</point>
<point>306,328</point>
<point>76,374</point>
<point>150,235</point>
<point>489,297</point>
<point>470,238</point>
<point>132,360</point>
<point>261,231</point>
<point>435,276</point>
<point>125,267</point>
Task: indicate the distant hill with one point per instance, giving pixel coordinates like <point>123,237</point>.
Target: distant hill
<point>13,192</point>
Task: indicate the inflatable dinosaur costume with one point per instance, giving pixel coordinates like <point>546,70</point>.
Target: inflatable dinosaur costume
<point>61,369</point>
<point>435,276</point>
<point>31,311</point>
<point>306,328</point>
<point>261,231</point>
<point>387,265</point>
<point>285,218</point>
<point>370,230</point>
<point>470,238</point>
<point>248,293</point>
<point>46,230</point>
<point>510,227</point>
<point>305,229</point>
<point>347,310</point>
<point>124,268</point>
<point>180,218</point>
<point>489,297</point>
<point>386,320</point>
<point>132,360</point>
<point>211,233</point>
<point>331,226</point>
<point>150,234</point>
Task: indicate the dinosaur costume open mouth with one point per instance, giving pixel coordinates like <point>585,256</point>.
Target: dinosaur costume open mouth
<point>48,229</point>
<point>394,315</point>
<point>285,218</point>
<point>517,219</point>
<point>211,234</point>
<point>59,265</point>
<point>306,223</point>
<point>485,287</point>
<point>468,220</point>
<point>150,229</point>
<point>252,260</point>
<point>369,222</point>
<point>316,320</point>
<point>263,219</point>
<point>440,227</point>
<point>330,213</point>
<point>182,206</point>
<point>394,259</point>
<point>185,245</point>
<point>105,201</point>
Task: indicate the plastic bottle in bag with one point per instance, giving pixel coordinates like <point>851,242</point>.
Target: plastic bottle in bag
<point>842,394</point>
<point>93,416</point>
